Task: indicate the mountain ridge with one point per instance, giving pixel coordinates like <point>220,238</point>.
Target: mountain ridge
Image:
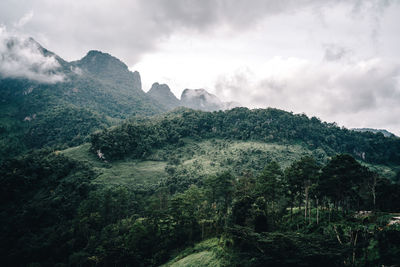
<point>99,85</point>
<point>198,99</point>
<point>385,132</point>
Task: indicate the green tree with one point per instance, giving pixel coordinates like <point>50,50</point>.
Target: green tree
<point>301,178</point>
<point>271,186</point>
<point>341,181</point>
<point>220,189</point>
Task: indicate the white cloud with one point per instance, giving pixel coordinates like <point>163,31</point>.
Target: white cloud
<point>21,57</point>
<point>24,20</point>
<point>364,93</point>
<point>129,29</point>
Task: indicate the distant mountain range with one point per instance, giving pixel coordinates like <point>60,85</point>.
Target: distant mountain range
<point>382,131</point>
<point>47,101</point>
<point>198,99</point>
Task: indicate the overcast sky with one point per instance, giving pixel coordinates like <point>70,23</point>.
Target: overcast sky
<point>335,59</point>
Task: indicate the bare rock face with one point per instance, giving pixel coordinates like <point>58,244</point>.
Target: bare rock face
<point>198,99</point>
<point>162,94</point>
<point>137,81</point>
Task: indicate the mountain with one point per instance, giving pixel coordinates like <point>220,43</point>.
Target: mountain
<point>198,99</point>
<point>104,66</point>
<point>382,131</point>
<point>267,125</point>
<point>48,101</point>
<point>45,100</point>
<point>162,93</point>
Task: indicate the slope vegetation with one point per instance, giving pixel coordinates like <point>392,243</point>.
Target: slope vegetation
<point>139,138</point>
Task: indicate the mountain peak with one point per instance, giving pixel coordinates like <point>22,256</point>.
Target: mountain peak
<point>162,93</point>
<point>203,100</point>
<point>108,67</point>
<point>94,53</point>
<point>159,87</point>
<point>200,99</point>
<point>189,92</point>
<point>96,59</point>
<point>25,58</point>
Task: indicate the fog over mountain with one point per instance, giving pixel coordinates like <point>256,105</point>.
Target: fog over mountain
<point>198,99</point>
<point>337,60</point>
<point>24,57</point>
<point>203,100</point>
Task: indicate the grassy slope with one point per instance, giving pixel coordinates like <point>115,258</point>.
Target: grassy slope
<point>193,159</point>
<point>198,159</point>
<point>203,254</point>
<point>127,172</point>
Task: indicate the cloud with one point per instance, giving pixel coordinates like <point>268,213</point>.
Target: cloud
<point>131,28</point>
<point>24,20</point>
<point>21,57</point>
<point>362,93</point>
<point>375,9</point>
<point>334,52</point>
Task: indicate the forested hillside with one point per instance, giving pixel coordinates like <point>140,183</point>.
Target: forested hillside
<point>138,138</point>
<point>56,210</point>
<point>252,191</point>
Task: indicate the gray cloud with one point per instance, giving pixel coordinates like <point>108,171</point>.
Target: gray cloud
<point>375,9</point>
<point>24,20</point>
<point>238,14</point>
<point>334,52</point>
<point>130,28</point>
<point>339,91</point>
<point>21,57</point>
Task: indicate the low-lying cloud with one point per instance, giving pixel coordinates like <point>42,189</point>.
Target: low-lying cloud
<point>21,57</point>
<point>364,93</point>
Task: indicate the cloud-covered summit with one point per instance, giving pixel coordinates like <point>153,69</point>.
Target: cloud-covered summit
<point>22,57</point>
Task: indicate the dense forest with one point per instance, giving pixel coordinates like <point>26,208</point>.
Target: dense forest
<point>235,188</point>
<point>306,214</point>
<point>268,125</point>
